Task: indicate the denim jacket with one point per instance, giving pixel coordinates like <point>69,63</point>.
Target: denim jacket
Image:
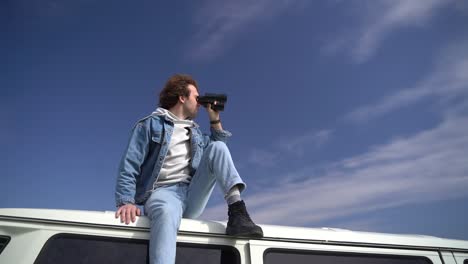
<point>145,154</point>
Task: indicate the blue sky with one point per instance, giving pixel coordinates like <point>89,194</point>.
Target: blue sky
<point>349,114</point>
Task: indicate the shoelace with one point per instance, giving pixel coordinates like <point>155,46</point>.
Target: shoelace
<point>241,212</point>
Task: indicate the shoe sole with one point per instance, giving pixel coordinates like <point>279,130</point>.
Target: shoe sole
<point>256,233</point>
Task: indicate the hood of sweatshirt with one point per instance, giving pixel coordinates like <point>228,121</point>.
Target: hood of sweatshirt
<point>171,117</point>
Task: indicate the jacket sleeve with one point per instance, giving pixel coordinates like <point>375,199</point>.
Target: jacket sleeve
<point>130,165</point>
<point>219,135</point>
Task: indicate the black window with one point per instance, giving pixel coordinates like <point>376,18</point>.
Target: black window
<point>465,261</point>
<point>74,249</point>
<point>275,256</point>
<point>3,242</point>
<point>206,254</point>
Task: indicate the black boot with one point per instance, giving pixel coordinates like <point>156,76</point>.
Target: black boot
<point>240,224</point>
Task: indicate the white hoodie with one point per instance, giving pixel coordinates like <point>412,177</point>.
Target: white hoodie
<point>176,164</point>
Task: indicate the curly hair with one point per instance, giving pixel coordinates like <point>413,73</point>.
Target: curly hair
<point>176,86</point>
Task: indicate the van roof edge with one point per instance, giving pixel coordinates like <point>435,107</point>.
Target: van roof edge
<point>107,218</point>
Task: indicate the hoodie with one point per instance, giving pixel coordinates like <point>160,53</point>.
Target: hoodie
<point>176,168</point>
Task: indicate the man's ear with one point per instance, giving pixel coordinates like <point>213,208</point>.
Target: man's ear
<point>182,99</point>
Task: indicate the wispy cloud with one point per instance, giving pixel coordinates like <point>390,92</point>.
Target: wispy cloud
<point>299,144</point>
<point>219,23</point>
<point>368,224</point>
<point>378,20</point>
<point>427,166</point>
<point>292,146</point>
<point>447,82</point>
<point>263,158</point>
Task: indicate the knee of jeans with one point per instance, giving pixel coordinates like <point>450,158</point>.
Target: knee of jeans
<point>218,146</point>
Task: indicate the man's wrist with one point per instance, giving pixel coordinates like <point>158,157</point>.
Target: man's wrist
<point>214,122</point>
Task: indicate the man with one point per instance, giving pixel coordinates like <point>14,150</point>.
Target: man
<point>171,169</point>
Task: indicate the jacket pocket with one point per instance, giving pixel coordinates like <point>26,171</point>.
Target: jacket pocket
<point>201,145</point>
<point>157,137</point>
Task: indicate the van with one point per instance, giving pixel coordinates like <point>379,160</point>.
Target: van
<point>69,236</point>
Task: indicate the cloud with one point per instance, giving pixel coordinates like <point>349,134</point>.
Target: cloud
<point>368,224</point>
<point>292,146</point>
<point>447,83</point>
<point>263,158</point>
<point>427,166</point>
<point>430,165</point>
<point>298,144</point>
<point>219,23</point>
<point>378,20</point>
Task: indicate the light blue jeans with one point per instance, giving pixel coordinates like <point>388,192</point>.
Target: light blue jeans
<point>168,204</point>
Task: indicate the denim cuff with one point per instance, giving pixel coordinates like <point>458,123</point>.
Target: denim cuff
<point>221,135</point>
<point>236,182</point>
<point>124,200</point>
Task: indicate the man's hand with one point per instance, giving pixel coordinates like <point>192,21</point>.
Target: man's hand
<point>127,213</point>
<point>213,116</point>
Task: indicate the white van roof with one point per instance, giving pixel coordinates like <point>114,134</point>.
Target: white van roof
<point>271,232</point>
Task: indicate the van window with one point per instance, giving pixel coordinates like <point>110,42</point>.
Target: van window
<point>71,249</point>
<point>3,242</point>
<point>465,261</point>
<point>277,256</point>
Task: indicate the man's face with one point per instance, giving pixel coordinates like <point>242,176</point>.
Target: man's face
<point>191,105</point>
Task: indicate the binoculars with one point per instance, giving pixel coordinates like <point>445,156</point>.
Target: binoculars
<point>211,98</point>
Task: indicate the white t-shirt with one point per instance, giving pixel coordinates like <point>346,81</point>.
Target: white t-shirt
<point>175,167</point>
